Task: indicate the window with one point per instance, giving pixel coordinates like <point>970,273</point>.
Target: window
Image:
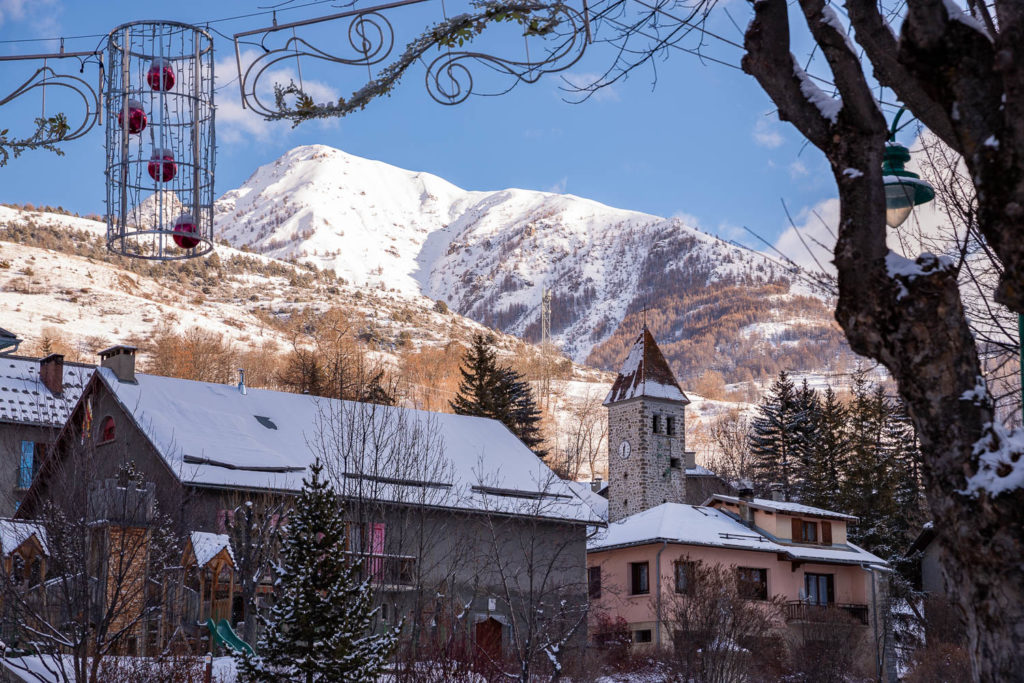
<point>642,636</point>
<point>820,589</point>
<point>28,452</point>
<point>752,583</point>
<point>594,582</point>
<point>639,583</point>
<point>675,463</point>
<point>685,573</point>
<point>107,430</point>
<point>809,532</point>
<point>656,424</point>
<point>670,426</point>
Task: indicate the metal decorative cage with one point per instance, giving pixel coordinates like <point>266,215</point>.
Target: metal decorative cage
<point>159,140</point>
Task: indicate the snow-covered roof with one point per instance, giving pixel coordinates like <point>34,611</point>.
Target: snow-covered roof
<point>706,526</point>
<point>206,546</point>
<point>597,502</point>
<point>782,506</point>
<point>212,435</point>
<point>14,532</point>
<point>645,373</point>
<point>26,400</point>
<point>699,471</point>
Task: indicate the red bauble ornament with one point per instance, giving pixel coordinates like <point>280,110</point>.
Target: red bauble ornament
<point>136,117</point>
<point>162,167</point>
<point>186,232</point>
<point>160,75</point>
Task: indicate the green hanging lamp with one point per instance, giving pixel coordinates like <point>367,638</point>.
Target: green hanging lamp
<point>903,189</point>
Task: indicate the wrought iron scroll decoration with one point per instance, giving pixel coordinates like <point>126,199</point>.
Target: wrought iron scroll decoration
<point>451,66</point>
<point>449,79</point>
<point>45,76</point>
<point>370,35</point>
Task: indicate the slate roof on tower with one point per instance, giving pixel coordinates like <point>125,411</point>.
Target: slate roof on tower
<point>645,373</point>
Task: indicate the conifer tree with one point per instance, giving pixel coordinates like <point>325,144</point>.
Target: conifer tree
<point>868,489</point>
<point>320,627</point>
<point>828,454</point>
<point>479,381</point>
<point>775,438</point>
<point>376,392</point>
<point>500,393</point>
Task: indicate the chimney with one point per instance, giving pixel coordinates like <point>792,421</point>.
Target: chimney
<point>747,494</point>
<point>691,459</point>
<point>120,359</point>
<point>777,493</point>
<point>595,485</point>
<point>51,373</point>
<point>241,381</point>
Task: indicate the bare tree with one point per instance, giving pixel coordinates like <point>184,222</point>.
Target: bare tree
<point>254,528</point>
<point>719,635</point>
<point>105,544</point>
<point>960,74</point>
<point>732,461</point>
<point>532,566</point>
<point>583,440</point>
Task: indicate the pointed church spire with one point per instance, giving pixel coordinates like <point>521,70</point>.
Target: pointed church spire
<point>645,373</point>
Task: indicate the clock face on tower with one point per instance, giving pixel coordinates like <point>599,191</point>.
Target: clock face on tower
<point>624,450</point>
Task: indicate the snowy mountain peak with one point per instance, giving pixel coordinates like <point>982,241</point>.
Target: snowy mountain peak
<point>489,255</point>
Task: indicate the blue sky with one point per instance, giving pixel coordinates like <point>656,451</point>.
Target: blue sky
<point>702,143</point>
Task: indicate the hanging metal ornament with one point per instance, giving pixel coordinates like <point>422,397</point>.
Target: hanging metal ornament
<point>158,98</point>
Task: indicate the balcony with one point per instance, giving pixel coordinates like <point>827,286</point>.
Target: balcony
<point>799,610</point>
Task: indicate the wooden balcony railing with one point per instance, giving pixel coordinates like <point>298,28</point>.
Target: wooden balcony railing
<point>798,610</point>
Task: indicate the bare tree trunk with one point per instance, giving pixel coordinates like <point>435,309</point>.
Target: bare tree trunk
<point>909,315</point>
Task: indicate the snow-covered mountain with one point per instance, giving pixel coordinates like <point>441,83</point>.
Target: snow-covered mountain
<point>491,255</point>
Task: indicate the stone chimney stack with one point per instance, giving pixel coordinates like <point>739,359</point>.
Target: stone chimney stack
<point>777,492</point>
<point>51,373</point>
<point>120,359</point>
<point>747,494</point>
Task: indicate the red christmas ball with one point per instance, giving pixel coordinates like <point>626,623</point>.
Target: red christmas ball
<point>160,75</point>
<point>136,117</point>
<point>186,232</point>
<point>162,167</point>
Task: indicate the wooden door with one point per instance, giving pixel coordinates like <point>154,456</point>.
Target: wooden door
<point>488,640</point>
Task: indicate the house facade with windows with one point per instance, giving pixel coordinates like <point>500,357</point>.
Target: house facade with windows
<point>642,565</point>
<point>440,505</point>
<point>36,397</point>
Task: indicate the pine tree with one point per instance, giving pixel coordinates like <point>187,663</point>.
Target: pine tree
<point>808,427</point>
<point>522,415</point>
<point>479,380</point>
<point>830,450</point>
<point>320,627</point>
<point>868,489</point>
<point>775,437</point>
<point>500,393</point>
<point>376,392</point>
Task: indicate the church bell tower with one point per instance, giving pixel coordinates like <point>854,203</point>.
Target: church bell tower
<point>646,433</point>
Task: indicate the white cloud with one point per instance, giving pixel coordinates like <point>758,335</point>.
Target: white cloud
<point>235,124</point>
<point>766,133</point>
<point>559,187</point>
<point>797,169</point>
<point>817,227</point>
<point>581,81</point>
<point>41,14</point>
<point>688,219</point>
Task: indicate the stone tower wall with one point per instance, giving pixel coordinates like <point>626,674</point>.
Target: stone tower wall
<point>655,471</point>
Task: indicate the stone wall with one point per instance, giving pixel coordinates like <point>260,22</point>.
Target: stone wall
<point>654,472</point>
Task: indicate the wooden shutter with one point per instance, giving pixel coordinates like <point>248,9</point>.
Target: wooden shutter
<point>796,529</point>
<point>826,533</point>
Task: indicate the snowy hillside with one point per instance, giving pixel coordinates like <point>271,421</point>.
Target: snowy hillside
<point>490,255</point>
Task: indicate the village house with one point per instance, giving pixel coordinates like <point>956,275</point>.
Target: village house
<point>645,561</point>
<point>36,397</point>
<point>441,505</point>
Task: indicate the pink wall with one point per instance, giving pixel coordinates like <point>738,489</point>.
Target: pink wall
<point>852,584</point>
